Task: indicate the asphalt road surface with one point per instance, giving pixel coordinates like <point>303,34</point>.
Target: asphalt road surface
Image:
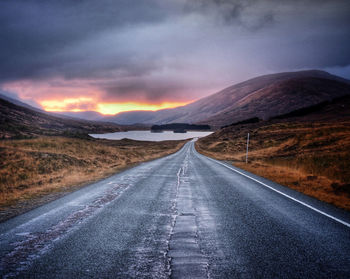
<point>181,216</point>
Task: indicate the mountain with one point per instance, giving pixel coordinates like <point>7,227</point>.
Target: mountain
<point>19,103</point>
<point>19,122</point>
<point>263,97</point>
<point>273,95</point>
<point>133,117</point>
<point>86,115</point>
<point>336,110</point>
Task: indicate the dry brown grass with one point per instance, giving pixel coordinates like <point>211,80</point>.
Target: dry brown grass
<point>312,158</point>
<point>34,168</point>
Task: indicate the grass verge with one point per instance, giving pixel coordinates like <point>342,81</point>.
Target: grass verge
<point>35,171</point>
<point>312,158</point>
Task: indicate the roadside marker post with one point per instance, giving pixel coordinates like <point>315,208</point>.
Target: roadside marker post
<point>246,156</point>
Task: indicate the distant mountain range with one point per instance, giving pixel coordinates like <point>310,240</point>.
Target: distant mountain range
<point>262,97</point>
<point>86,115</point>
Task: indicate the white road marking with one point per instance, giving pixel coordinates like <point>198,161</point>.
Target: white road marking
<point>283,194</point>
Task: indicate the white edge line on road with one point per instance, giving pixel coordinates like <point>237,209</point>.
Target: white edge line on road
<point>283,194</point>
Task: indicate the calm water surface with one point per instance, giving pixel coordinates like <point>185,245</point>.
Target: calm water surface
<point>148,136</point>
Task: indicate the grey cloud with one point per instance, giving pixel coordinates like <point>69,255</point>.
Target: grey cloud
<point>233,12</point>
<point>158,49</point>
<point>229,10</point>
<point>144,90</point>
<point>35,33</point>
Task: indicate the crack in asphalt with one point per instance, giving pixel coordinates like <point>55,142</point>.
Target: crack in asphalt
<point>186,258</point>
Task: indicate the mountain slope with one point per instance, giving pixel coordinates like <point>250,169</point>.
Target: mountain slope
<point>282,96</point>
<point>19,103</point>
<point>86,115</point>
<point>264,97</point>
<point>18,121</point>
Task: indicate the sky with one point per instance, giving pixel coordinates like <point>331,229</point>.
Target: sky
<point>118,55</point>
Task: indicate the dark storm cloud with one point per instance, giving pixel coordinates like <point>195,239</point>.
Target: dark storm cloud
<point>159,49</point>
<point>144,91</point>
<point>230,12</point>
<point>35,34</point>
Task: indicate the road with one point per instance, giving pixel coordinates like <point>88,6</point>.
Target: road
<point>181,216</point>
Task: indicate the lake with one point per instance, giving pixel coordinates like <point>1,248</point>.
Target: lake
<point>148,136</point>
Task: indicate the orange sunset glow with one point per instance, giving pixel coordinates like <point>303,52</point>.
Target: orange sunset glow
<point>86,103</point>
<point>70,104</point>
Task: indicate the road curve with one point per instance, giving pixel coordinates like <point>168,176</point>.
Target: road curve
<point>181,216</point>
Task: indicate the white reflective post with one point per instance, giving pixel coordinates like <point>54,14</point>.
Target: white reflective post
<point>246,156</point>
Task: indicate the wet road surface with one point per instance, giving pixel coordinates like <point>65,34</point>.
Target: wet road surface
<point>182,216</point>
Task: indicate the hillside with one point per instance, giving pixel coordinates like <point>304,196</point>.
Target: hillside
<point>281,96</point>
<point>180,127</point>
<point>86,115</point>
<point>307,150</point>
<point>20,122</point>
<point>263,97</point>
